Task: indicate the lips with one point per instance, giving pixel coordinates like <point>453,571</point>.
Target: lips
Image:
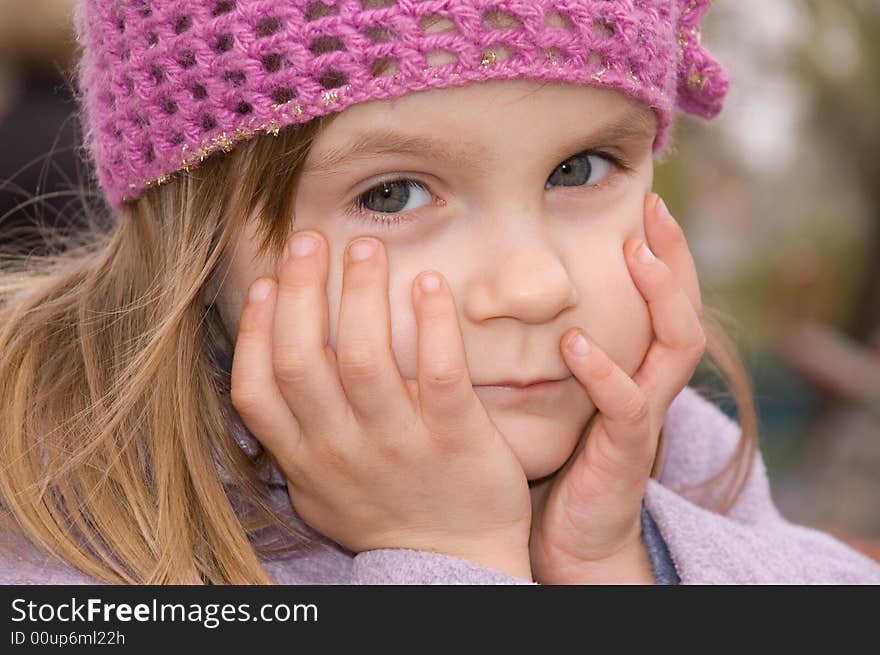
<point>516,384</point>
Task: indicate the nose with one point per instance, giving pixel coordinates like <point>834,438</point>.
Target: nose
<point>524,278</point>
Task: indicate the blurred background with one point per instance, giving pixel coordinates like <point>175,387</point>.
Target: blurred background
<point>779,197</point>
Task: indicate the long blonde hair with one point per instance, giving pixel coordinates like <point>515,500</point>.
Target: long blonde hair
<point>115,415</point>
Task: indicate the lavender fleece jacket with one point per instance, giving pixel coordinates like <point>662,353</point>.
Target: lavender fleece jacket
<point>751,544</point>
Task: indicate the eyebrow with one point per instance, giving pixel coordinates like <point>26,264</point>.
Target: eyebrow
<point>632,125</point>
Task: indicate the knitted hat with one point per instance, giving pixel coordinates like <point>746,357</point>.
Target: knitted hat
<point>165,83</point>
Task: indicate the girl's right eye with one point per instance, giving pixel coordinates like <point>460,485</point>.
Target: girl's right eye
<point>390,203</point>
<point>392,196</point>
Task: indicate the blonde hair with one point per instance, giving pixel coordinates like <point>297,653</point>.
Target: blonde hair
<point>115,416</point>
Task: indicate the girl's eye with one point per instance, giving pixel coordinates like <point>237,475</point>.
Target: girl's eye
<point>392,197</point>
<point>391,202</point>
<point>585,168</point>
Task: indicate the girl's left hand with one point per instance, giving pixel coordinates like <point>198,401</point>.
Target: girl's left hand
<point>589,530</point>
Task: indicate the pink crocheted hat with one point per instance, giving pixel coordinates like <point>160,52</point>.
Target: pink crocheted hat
<point>166,83</point>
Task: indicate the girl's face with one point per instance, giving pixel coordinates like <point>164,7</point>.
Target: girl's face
<point>522,194</point>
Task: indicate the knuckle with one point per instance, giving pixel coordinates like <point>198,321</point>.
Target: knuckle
<point>298,283</point>
<point>246,400</point>
<point>330,455</point>
<point>359,277</point>
<point>698,348</point>
<point>446,380</point>
<point>434,309</point>
<point>636,409</point>
<point>605,463</point>
<point>358,362</point>
<point>291,366</point>
<point>602,369</point>
<point>433,312</point>
<point>392,446</point>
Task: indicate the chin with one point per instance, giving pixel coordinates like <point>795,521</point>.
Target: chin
<point>541,444</point>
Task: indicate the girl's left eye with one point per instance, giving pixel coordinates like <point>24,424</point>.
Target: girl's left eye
<point>388,202</point>
<point>584,168</point>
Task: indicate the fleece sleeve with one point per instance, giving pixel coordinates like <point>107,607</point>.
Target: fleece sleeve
<point>750,544</point>
<point>399,566</point>
<point>23,564</point>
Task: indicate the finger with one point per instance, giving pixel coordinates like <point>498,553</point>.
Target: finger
<point>305,365</point>
<point>254,392</point>
<point>623,405</point>
<point>367,367</point>
<point>447,400</point>
<point>680,340</point>
<point>666,238</point>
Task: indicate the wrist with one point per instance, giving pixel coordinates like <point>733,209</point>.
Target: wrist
<point>630,565</point>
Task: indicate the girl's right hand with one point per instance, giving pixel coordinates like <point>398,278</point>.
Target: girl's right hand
<point>373,460</point>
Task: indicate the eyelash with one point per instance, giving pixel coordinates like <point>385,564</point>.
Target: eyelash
<point>386,219</point>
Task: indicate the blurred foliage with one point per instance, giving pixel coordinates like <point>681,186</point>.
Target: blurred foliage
<point>780,199</point>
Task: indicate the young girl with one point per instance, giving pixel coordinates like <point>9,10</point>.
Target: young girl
<point>373,306</point>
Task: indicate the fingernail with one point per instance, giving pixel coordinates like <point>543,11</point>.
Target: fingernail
<point>579,345</point>
<point>644,254</point>
<point>303,245</point>
<point>430,282</point>
<point>362,249</point>
<point>259,291</point>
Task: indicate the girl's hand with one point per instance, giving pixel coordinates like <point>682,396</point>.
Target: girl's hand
<point>373,460</point>
<point>590,526</point>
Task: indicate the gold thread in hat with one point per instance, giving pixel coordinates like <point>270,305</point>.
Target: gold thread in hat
<point>682,38</point>
<point>598,74</point>
<point>697,80</point>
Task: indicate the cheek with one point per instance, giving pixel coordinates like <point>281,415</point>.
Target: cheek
<point>618,318</point>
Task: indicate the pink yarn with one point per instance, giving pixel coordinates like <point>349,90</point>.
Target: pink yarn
<point>166,83</point>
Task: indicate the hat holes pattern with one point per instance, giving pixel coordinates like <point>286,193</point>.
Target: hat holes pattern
<point>224,43</point>
<point>235,78</point>
<point>499,20</point>
<point>377,4</point>
<point>225,77</point>
<point>318,9</point>
<point>272,62</point>
<point>187,59</point>
<point>183,24</point>
<point>559,19</point>
<point>169,106</point>
<point>384,66</point>
<point>333,79</point>
<point>268,27</point>
<point>603,29</point>
<point>282,95</point>
<point>379,34</point>
<point>326,44</point>
<point>223,7</point>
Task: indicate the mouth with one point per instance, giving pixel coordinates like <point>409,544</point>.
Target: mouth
<point>516,385</point>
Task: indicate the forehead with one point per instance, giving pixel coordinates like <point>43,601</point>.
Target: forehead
<point>464,125</point>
